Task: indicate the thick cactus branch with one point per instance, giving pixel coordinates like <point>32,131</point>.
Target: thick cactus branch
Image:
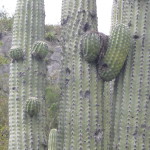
<point>27,79</point>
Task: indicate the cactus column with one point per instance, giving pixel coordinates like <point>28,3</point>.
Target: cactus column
<point>132,86</point>
<point>80,119</point>
<point>27,78</point>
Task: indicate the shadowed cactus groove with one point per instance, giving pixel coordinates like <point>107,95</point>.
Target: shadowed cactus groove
<point>118,49</point>
<point>16,53</point>
<point>52,141</point>
<point>132,86</point>
<point>27,79</point>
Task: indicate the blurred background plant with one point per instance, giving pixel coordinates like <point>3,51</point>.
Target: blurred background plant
<point>52,33</point>
<point>6,21</point>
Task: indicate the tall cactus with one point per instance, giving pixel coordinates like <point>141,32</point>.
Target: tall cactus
<point>132,86</point>
<point>27,78</point>
<point>81,106</point>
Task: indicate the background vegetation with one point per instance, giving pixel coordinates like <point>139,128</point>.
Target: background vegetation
<point>52,35</point>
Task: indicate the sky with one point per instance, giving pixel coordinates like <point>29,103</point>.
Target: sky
<point>53,12</point>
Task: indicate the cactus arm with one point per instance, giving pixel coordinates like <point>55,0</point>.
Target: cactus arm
<point>26,80</point>
<point>132,103</point>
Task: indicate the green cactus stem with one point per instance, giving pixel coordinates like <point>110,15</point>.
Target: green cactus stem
<point>118,49</point>
<point>52,142</point>
<point>81,107</point>
<point>27,79</point>
<point>132,86</point>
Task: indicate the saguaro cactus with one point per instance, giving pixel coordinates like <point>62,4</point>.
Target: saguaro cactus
<point>132,86</point>
<point>81,106</point>
<point>27,78</point>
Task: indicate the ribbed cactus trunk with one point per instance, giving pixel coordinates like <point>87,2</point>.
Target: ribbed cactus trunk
<point>27,79</point>
<point>81,106</point>
<point>132,86</point>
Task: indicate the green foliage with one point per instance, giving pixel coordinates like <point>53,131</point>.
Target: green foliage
<point>4,133</point>
<point>52,99</point>
<point>4,60</point>
<point>52,33</point>
<point>6,22</point>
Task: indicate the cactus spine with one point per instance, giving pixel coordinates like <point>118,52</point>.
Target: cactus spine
<point>81,110</point>
<point>52,139</point>
<point>132,86</point>
<point>27,79</point>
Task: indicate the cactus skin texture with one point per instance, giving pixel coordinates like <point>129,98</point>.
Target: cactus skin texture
<point>40,50</point>
<point>118,49</point>
<point>52,139</point>
<point>32,106</point>
<point>132,87</point>
<point>16,53</point>
<point>92,44</point>
<point>27,79</point>
<point>81,106</point>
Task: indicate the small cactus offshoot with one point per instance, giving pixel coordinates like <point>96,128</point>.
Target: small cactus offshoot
<point>32,106</point>
<point>16,53</point>
<point>115,57</point>
<point>40,50</point>
<point>91,45</point>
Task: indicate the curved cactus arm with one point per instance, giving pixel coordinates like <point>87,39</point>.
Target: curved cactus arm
<point>116,55</point>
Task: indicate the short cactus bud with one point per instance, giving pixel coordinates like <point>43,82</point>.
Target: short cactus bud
<point>32,106</point>
<point>16,53</point>
<point>52,139</point>
<point>91,45</point>
<point>118,48</point>
<point>40,50</point>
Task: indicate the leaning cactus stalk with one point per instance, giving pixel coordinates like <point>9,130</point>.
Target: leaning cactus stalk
<point>132,86</point>
<point>27,78</point>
